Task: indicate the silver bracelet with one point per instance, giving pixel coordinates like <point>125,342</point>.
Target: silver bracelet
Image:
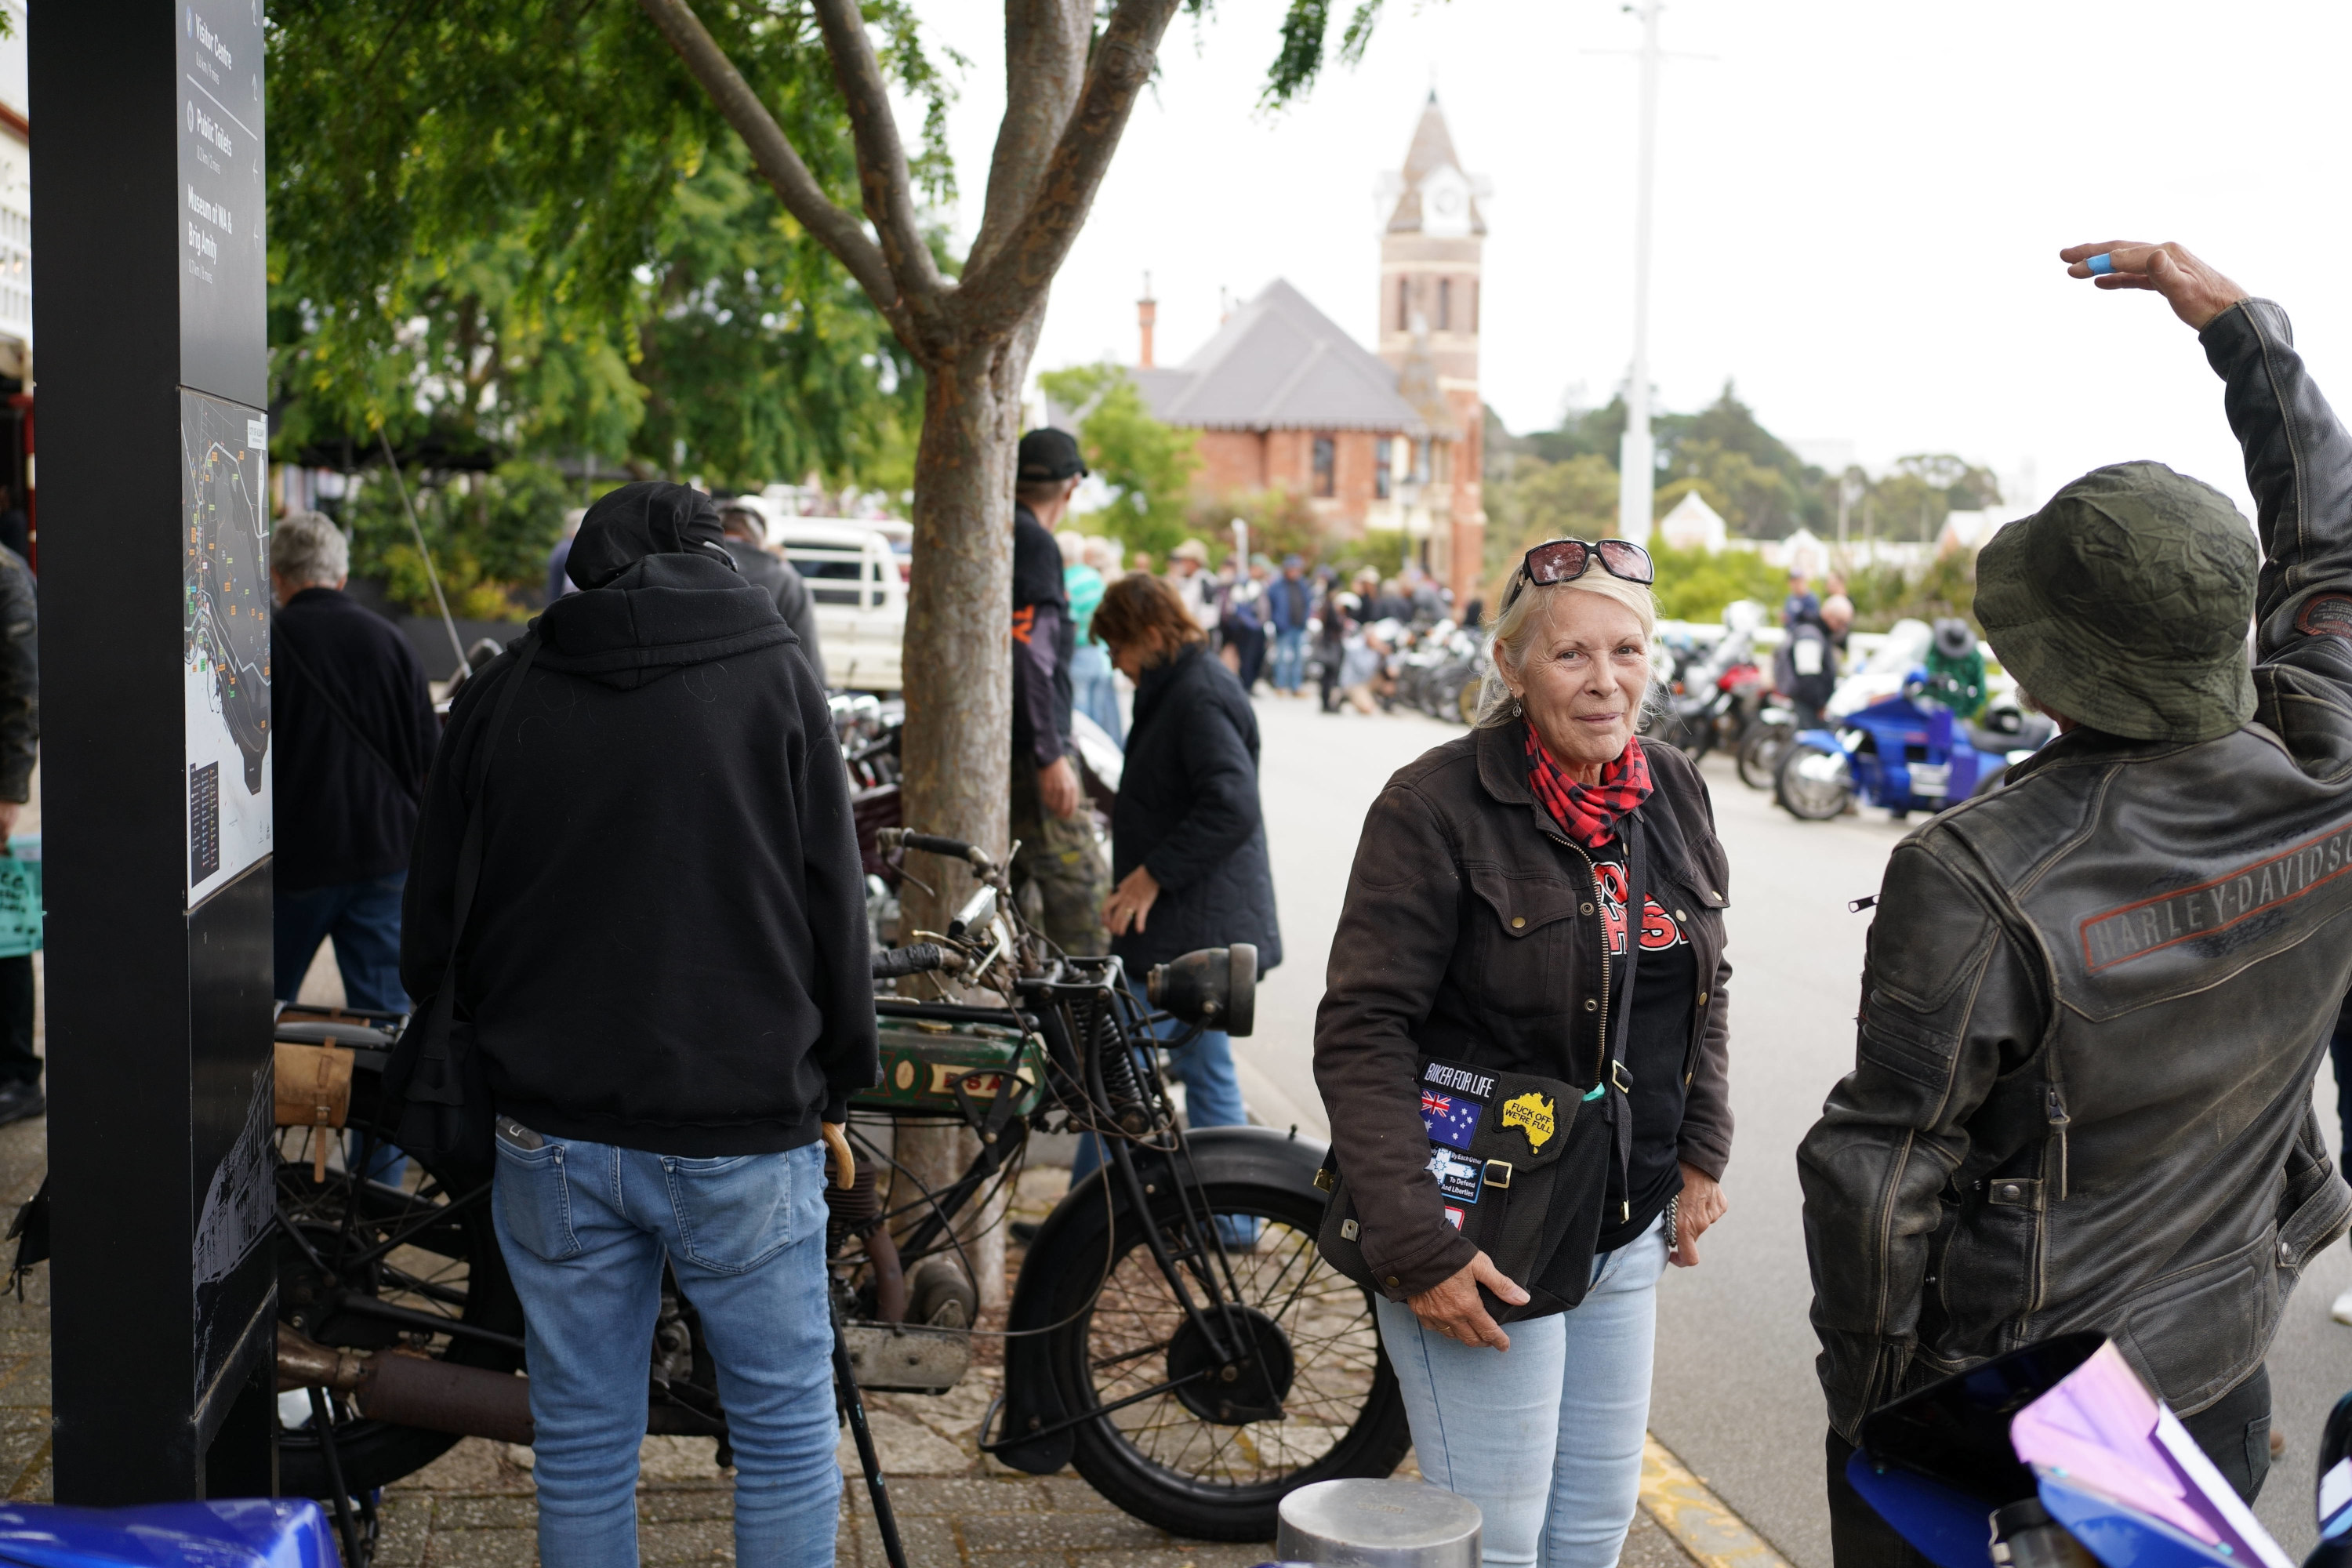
<point>1671,1205</point>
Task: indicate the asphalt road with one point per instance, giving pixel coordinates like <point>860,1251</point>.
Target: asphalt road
<point>1734,1394</point>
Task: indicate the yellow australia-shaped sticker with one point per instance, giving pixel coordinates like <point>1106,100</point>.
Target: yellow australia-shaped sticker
<point>1532,1114</point>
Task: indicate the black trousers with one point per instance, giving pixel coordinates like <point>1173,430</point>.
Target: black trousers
<point>2234,1432</point>
<point>17,1062</point>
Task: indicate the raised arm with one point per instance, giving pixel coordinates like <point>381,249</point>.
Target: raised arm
<point>2298,455</point>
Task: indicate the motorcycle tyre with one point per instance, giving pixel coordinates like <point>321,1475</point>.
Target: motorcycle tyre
<point>1794,802</point>
<point>1371,1449</point>
<point>1760,752</point>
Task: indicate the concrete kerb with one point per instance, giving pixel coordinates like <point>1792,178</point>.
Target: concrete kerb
<point>1701,1523</point>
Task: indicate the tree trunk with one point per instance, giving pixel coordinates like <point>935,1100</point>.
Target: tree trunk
<point>957,748</point>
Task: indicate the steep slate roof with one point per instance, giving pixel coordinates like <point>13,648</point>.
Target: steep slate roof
<point>1280,363</point>
<point>1431,149</point>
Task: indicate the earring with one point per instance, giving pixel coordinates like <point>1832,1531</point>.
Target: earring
<point>1515,707</point>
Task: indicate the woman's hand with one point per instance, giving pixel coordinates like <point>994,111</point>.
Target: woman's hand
<point>1131,901</point>
<point>1453,1308</point>
<point>1701,1204</point>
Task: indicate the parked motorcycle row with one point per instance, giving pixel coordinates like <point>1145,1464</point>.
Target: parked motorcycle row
<point>1884,743</point>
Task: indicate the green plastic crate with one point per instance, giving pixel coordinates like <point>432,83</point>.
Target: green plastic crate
<point>20,896</point>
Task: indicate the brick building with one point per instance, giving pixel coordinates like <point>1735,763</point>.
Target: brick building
<point>1281,396</point>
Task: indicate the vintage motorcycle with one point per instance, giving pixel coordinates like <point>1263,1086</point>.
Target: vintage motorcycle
<point>1173,1331</point>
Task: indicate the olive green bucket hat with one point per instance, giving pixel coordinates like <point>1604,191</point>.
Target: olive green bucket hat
<point>2124,605</point>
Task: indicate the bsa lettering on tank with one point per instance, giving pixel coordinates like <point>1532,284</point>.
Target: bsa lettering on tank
<point>979,1085</point>
<point>2151,925</point>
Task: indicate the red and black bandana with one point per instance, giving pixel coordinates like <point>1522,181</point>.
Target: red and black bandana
<point>1589,813</point>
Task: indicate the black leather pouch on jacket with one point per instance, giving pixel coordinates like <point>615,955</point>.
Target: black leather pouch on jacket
<point>437,1087</point>
<point>1527,1187</point>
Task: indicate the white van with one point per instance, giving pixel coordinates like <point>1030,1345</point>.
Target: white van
<point>860,586</point>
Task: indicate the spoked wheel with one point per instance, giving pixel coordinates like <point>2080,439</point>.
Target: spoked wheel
<point>408,1260</point>
<point>1466,699</point>
<point>1759,754</point>
<point>1213,1457</point>
<point>1813,783</point>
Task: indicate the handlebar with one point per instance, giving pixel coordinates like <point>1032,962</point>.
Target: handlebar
<point>891,838</point>
<point>915,958</point>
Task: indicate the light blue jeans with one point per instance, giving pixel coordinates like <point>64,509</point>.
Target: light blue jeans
<point>1290,659</point>
<point>1576,1384</point>
<point>585,1229</point>
<point>1093,692</point>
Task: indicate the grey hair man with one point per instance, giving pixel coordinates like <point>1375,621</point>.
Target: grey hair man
<point>354,733</point>
<point>2094,999</point>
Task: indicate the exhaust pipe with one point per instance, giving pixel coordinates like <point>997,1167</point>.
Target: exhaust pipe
<point>412,1390</point>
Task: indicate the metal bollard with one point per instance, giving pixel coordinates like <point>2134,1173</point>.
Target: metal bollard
<point>1378,1525</point>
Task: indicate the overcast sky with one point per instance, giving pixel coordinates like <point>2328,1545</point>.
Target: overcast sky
<point>1859,204</point>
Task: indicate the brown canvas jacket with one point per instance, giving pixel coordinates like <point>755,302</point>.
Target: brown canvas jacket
<point>1473,931</point>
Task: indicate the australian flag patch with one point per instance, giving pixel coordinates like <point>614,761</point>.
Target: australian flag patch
<point>1451,1119</point>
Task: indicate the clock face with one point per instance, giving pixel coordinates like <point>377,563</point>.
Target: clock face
<point>1449,202</point>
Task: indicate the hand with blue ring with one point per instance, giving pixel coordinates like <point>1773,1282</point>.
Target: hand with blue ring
<point>2196,292</point>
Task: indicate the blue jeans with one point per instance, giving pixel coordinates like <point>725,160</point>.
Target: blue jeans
<point>585,1229</point>
<point>364,920</point>
<point>1289,658</point>
<point>1093,692</point>
<point>1576,1384</point>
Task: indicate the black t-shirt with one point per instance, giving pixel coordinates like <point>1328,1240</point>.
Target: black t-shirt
<point>1658,1047</point>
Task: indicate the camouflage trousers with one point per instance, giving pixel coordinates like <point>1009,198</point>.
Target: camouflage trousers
<point>1059,872</point>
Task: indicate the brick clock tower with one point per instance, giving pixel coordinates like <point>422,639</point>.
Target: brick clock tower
<point>1431,235</point>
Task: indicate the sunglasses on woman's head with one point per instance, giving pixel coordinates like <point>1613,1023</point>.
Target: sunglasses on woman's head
<point>1564,560</point>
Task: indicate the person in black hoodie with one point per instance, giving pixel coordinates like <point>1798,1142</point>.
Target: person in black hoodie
<point>664,967</point>
<point>1187,839</point>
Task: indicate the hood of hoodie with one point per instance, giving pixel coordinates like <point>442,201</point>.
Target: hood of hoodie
<point>658,614</point>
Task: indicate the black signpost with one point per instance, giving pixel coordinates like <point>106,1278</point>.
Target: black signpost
<point>149,293</point>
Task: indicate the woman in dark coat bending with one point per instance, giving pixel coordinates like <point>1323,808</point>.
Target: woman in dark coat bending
<point>1187,841</point>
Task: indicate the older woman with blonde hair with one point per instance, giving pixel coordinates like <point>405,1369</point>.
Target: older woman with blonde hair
<point>1522,1051</point>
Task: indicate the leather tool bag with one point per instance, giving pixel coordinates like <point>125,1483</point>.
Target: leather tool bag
<point>436,1092</point>
<point>1530,1181</point>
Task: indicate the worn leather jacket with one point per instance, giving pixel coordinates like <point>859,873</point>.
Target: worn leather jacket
<point>1471,932</point>
<point>2094,1000</point>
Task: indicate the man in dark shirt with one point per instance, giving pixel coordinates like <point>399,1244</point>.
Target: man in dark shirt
<point>354,734</point>
<point>747,539</point>
<point>1059,856</point>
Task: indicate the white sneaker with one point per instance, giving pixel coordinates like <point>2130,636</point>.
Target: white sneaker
<point>2342,1310</point>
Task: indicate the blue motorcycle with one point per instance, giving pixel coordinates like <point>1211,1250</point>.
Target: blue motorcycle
<point>1904,753</point>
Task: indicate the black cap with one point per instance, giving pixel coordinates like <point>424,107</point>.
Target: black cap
<point>1049,454</point>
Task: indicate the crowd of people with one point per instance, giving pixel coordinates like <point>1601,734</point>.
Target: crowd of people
<point>2091,1004</point>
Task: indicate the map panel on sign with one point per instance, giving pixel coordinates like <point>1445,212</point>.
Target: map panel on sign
<point>224,513</point>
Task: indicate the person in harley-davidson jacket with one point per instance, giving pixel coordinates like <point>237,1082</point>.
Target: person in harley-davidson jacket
<point>2094,999</point>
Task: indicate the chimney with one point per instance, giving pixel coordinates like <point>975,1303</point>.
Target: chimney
<point>1146,313</point>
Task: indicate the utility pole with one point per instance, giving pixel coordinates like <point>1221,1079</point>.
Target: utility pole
<point>1637,465</point>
